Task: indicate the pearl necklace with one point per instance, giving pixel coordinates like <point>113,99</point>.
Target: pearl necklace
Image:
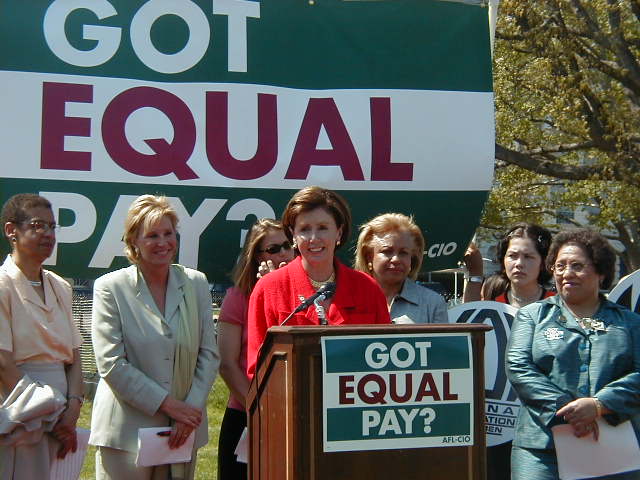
<point>316,285</point>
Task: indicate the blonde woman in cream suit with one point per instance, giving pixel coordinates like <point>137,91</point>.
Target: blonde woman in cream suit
<point>152,373</point>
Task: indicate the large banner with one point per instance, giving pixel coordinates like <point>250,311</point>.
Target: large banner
<point>627,292</point>
<point>501,402</point>
<point>230,106</point>
<point>397,391</point>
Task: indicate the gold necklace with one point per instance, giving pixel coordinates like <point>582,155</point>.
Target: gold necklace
<point>525,301</point>
<point>316,285</point>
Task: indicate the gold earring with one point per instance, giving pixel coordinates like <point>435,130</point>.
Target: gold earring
<point>338,243</point>
<point>294,245</point>
<point>370,266</point>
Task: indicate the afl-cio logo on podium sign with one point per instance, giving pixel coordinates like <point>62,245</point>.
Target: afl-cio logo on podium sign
<point>501,402</point>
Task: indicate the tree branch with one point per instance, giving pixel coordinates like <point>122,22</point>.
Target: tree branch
<point>546,167</point>
<point>622,48</point>
<point>562,148</point>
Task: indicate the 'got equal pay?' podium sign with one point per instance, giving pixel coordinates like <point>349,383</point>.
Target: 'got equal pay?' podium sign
<point>397,391</point>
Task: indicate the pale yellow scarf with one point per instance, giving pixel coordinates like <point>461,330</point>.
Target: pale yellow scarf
<point>187,347</point>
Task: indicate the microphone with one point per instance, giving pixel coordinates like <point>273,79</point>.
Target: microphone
<point>324,292</point>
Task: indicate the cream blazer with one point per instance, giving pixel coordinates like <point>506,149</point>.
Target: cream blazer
<point>36,330</point>
<point>134,348</point>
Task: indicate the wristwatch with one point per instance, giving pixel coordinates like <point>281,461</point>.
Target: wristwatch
<point>80,398</point>
<point>474,279</point>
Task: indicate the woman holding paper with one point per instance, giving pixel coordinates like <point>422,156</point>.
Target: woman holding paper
<point>573,358</point>
<point>38,342</point>
<point>155,349</point>
<point>521,280</point>
<point>266,248</point>
<point>318,222</point>
<point>390,249</point>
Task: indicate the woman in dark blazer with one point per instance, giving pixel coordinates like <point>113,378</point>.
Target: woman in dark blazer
<point>573,357</point>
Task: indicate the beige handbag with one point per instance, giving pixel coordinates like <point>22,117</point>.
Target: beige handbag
<point>30,410</point>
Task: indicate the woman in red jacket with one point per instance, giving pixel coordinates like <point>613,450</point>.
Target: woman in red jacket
<point>318,221</point>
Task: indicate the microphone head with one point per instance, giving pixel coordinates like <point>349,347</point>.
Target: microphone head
<point>328,289</point>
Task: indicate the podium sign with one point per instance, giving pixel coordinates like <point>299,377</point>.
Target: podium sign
<point>397,391</point>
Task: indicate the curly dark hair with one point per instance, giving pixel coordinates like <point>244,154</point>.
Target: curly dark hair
<point>541,238</point>
<point>15,210</point>
<point>597,248</point>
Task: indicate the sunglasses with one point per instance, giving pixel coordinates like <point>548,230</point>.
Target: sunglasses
<point>276,247</point>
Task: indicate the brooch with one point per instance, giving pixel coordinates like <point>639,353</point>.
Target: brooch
<point>592,324</point>
<point>553,333</point>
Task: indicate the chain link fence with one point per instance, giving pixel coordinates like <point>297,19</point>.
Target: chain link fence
<point>83,301</point>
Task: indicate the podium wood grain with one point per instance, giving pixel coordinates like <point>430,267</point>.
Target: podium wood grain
<point>285,415</point>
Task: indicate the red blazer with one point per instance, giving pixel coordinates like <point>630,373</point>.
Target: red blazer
<point>358,300</point>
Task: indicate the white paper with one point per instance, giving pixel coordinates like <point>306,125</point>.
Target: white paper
<point>154,449</point>
<point>70,466</point>
<point>242,449</point>
<point>615,451</point>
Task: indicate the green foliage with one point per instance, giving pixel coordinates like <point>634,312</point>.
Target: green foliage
<point>567,94</point>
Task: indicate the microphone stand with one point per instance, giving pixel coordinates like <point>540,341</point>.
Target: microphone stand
<point>319,296</point>
<point>320,310</point>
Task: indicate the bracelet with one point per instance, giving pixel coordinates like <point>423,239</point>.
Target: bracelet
<point>475,279</point>
<point>76,397</point>
<point>598,406</point>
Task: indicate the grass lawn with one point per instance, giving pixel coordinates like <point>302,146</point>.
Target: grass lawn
<point>207,467</point>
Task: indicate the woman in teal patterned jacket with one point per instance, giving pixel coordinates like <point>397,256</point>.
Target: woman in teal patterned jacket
<point>573,357</point>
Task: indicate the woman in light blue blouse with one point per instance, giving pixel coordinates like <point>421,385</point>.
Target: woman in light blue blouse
<point>390,249</point>
<point>574,357</point>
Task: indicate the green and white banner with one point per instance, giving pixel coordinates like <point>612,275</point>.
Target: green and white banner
<point>396,391</point>
<point>230,106</point>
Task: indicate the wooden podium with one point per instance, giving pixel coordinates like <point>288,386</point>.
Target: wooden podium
<point>286,424</point>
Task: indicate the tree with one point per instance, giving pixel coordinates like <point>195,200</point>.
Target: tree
<point>567,90</point>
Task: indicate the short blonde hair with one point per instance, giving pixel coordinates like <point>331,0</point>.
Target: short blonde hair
<point>382,225</point>
<point>144,212</point>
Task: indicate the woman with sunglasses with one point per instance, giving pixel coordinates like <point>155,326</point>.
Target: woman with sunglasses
<point>39,341</point>
<point>266,248</point>
<point>318,221</point>
<point>573,358</point>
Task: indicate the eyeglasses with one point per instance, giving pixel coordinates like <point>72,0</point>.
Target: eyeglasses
<point>575,267</point>
<point>276,247</point>
<point>40,226</point>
